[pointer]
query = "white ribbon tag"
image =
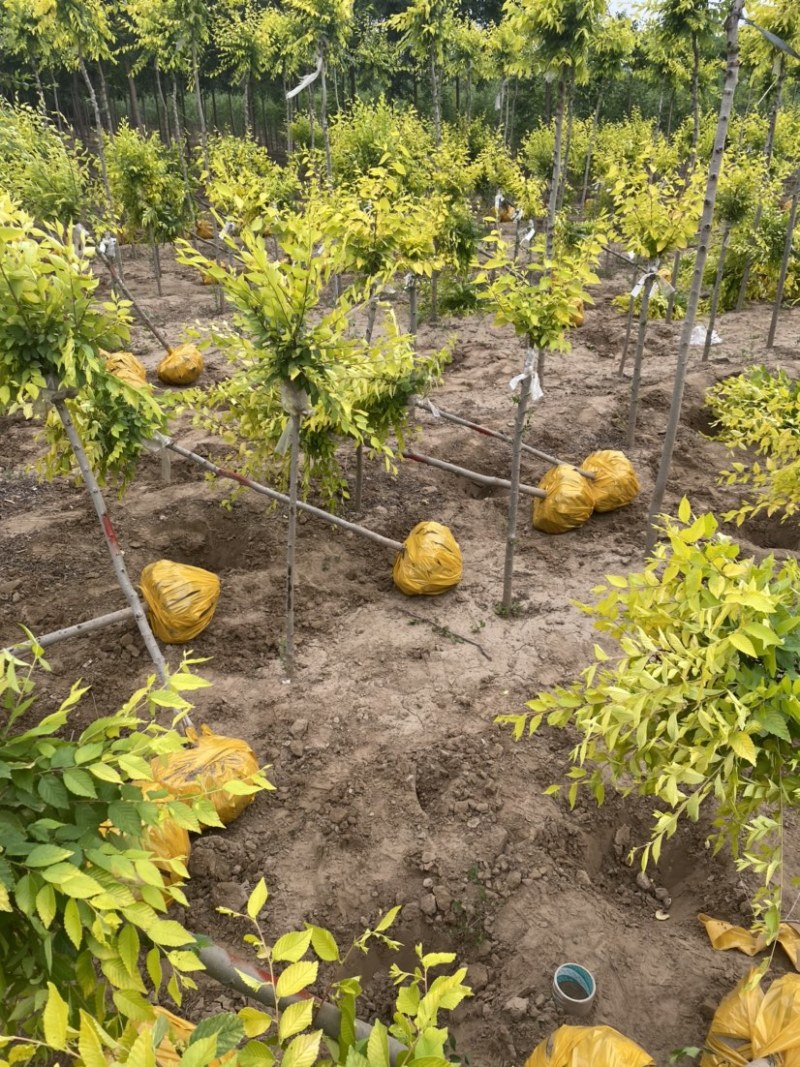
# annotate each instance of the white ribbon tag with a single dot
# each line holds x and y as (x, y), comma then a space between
(498, 200)
(108, 247)
(535, 391)
(308, 80)
(229, 229)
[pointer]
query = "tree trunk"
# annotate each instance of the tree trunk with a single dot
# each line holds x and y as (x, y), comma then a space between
(548, 102)
(101, 152)
(703, 239)
(117, 559)
(39, 88)
(180, 140)
(458, 94)
(673, 281)
(289, 144)
(590, 150)
(231, 119)
(291, 535)
(562, 185)
(57, 105)
(246, 104)
(513, 497)
(219, 299)
(712, 312)
(669, 113)
(412, 306)
(323, 116)
(437, 103)
(787, 252)
(637, 361)
(768, 146)
(353, 88)
(136, 117)
(106, 108)
(695, 100)
(513, 114)
(556, 177)
(336, 90)
(628, 327)
(79, 117)
(162, 110)
(156, 263)
(214, 109)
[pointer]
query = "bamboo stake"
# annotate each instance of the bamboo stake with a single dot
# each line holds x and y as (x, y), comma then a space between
(448, 416)
(139, 311)
(117, 560)
(280, 498)
(473, 476)
(78, 630)
(704, 236)
(787, 252)
(516, 459)
(637, 363)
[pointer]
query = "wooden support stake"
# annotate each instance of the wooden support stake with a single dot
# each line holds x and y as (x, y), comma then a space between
(281, 498)
(78, 630)
(139, 311)
(473, 476)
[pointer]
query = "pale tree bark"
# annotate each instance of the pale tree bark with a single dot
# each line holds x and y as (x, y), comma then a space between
(555, 181)
(437, 102)
(787, 253)
(513, 498)
(703, 241)
(712, 312)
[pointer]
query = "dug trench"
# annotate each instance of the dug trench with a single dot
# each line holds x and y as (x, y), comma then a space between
(394, 784)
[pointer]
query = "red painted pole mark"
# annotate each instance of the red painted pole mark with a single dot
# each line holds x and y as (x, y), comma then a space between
(108, 529)
(240, 478)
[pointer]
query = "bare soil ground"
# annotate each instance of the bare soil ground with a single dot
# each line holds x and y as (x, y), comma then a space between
(394, 785)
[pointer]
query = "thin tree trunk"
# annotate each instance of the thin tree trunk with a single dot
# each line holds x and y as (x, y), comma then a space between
(291, 537)
(101, 152)
(201, 115)
(180, 140)
(162, 110)
(353, 87)
(156, 262)
(57, 104)
(562, 186)
(248, 129)
(230, 113)
(590, 151)
(326, 138)
(637, 361)
(134, 98)
(628, 327)
(712, 312)
(359, 478)
(77, 107)
(669, 113)
(556, 177)
(703, 240)
(695, 100)
(289, 145)
(437, 103)
(513, 115)
(457, 82)
(311, 120)
(469, 91)
(336, 91)
(39, 88)
(412, 306)
(768, 147)
(787, 252)
(104, 99)
(673, 281)
(435, 296)
(214, 109)
(117, 559)
(513, 496)
(548, 102)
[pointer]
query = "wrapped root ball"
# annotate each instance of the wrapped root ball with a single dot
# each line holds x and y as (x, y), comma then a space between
(180, 599)
(181, 366)
(615, 483)
(600, 1046)
(126, 367)
(205, 766)
(204, 229)
(167, 840)
(576, 318)
(173, 1044)
(429, 562)
(569, 501)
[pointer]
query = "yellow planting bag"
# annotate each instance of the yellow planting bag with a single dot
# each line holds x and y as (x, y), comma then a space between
(615, 483)
(169, 1052)
(724, 935)
(180, 599)
(168, 840)
(181, 366)
(205, 766)
(569, 500)
(750, 1024)
(126, 367)
(429, 563)
(578, 1046)
(204, 229)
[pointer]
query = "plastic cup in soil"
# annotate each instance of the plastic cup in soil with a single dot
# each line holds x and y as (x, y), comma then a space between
(574, 989)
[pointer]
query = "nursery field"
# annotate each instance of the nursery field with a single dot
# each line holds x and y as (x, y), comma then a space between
(394, 783)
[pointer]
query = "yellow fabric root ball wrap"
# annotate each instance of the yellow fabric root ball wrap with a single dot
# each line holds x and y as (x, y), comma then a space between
(429, 562)
(750, 1024)
(126, 367)
(615, 483)
(181, 366)
(167, 840)
(181, 600)
(205, 766)
(600, 1046)
(569, 501)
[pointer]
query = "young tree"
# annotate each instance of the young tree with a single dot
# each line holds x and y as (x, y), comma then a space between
(424, 25)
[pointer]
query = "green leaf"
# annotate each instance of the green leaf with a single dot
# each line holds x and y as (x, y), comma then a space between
(47, 855)
(742, 745)
(55, 1019)
(258, 898)
(303, 1050)
(294, 1018)
(684, 510)
(227, 1028)
(378, 1045)
(292, 946)
(296, 978)
(324, 944)
(46, 904)
(386, 920)
(128, 948)
(742, 642)
(79, 783)
(133, 1005)
(89, 1044)
(200, 1053)
(169, 933)
(256, 1054)
(255, 1022)
(72, 923)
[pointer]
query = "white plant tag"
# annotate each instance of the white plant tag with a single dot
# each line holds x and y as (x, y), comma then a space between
(698, 336)
(308, 80)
